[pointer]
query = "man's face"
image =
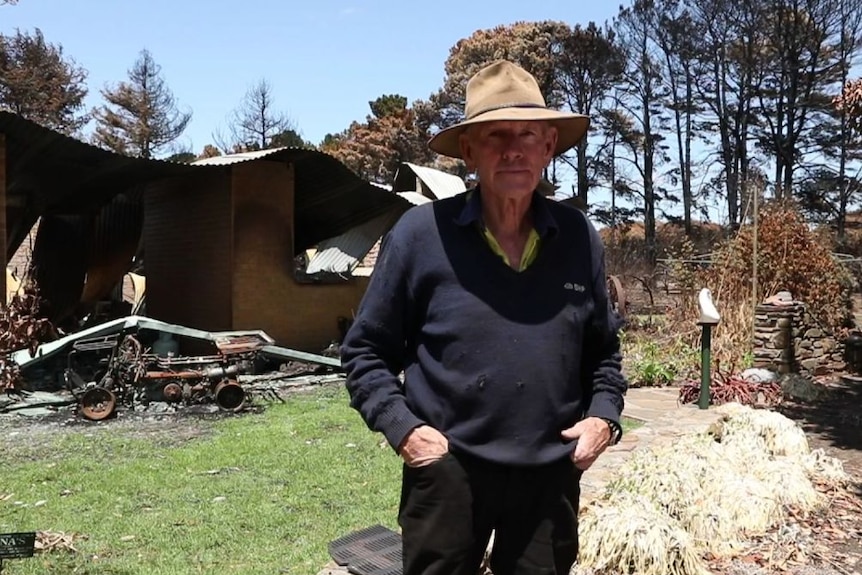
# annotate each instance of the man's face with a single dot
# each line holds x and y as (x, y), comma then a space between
(509, 156)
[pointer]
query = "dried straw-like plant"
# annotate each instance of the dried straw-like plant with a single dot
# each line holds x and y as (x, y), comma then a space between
(632, 535)
(704, 495)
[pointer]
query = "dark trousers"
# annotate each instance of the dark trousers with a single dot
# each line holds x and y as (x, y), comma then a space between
(449, 508)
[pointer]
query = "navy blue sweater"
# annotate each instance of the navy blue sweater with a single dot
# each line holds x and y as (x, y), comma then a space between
(499, 361)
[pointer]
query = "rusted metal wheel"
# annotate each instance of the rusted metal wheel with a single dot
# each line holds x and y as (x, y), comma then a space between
(172, 392)
(98, 403)
(617, 294)
(229, 395)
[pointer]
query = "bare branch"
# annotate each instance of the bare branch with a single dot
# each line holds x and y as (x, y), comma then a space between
(256, 121)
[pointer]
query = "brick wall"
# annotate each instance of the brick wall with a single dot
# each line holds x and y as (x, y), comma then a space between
(20, 260)
(265, 294)
(18, 264)
(187, 253)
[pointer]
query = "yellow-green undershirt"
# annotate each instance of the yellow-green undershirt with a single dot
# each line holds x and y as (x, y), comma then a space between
(531, 248)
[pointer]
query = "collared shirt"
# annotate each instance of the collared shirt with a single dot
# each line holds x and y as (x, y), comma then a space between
(544, 226)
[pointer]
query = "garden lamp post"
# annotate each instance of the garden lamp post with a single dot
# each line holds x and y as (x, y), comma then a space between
(709, 318)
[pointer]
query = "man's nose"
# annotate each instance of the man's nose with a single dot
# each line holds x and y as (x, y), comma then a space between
(513, 147)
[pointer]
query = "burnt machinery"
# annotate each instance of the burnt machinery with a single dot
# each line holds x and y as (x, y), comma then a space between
(120, 369)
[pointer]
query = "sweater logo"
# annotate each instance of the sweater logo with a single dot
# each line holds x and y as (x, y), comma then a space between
(574, 287)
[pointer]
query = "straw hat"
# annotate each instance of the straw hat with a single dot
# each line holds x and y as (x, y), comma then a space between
(505, 91)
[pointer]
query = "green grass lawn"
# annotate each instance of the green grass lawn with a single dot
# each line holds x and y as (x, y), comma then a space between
(262, 494)
(258, 493)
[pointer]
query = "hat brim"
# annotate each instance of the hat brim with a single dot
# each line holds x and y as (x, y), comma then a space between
(570, 128)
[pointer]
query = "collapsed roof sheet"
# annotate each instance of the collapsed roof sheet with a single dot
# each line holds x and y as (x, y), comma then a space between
(439, 184)
(342, 253)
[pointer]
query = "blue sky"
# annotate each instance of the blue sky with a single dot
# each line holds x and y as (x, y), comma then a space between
(324, 59)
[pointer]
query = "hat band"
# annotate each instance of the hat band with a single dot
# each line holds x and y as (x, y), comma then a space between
(502, 106)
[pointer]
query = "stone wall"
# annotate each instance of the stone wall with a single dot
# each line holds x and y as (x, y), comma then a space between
(787, 339)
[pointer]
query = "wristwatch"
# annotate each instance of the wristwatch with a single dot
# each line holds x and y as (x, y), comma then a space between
(616, 430)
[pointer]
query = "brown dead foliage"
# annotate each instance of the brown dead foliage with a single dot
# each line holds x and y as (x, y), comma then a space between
(790, 256)
(21, 327)
(626, 250)
(849, 101)
(826, 538)
(48, 541)
(727, 388)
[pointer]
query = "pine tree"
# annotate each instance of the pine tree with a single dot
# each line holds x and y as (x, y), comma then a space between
(40, 84)
(140, 116)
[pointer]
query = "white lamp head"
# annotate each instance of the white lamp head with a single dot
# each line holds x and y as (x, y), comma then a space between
(708, 313)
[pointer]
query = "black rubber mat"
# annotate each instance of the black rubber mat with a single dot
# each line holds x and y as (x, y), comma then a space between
(383, 565)
(374, 550)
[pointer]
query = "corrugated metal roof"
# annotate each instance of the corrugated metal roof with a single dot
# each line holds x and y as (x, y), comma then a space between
(415, 198)
(439, 184)
(61, 258)
(343, 253)
(329, 199)
(366, 264)
(116, 237)
(236, 158)
(79, 258)
(48, 173)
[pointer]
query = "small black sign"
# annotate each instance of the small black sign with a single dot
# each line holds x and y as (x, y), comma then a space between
(17, 545)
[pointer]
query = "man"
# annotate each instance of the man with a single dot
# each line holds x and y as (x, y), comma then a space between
(494, 305)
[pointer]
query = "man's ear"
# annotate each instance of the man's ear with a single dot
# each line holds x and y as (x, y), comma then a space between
(466, 151)
(552, 137)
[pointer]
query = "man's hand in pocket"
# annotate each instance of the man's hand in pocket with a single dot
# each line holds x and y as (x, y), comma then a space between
(423, 446)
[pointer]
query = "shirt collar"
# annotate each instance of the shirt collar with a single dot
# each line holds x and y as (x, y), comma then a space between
(543, 220)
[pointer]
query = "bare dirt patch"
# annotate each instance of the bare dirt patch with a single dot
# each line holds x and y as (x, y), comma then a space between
(831, 416)
(24, 437)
